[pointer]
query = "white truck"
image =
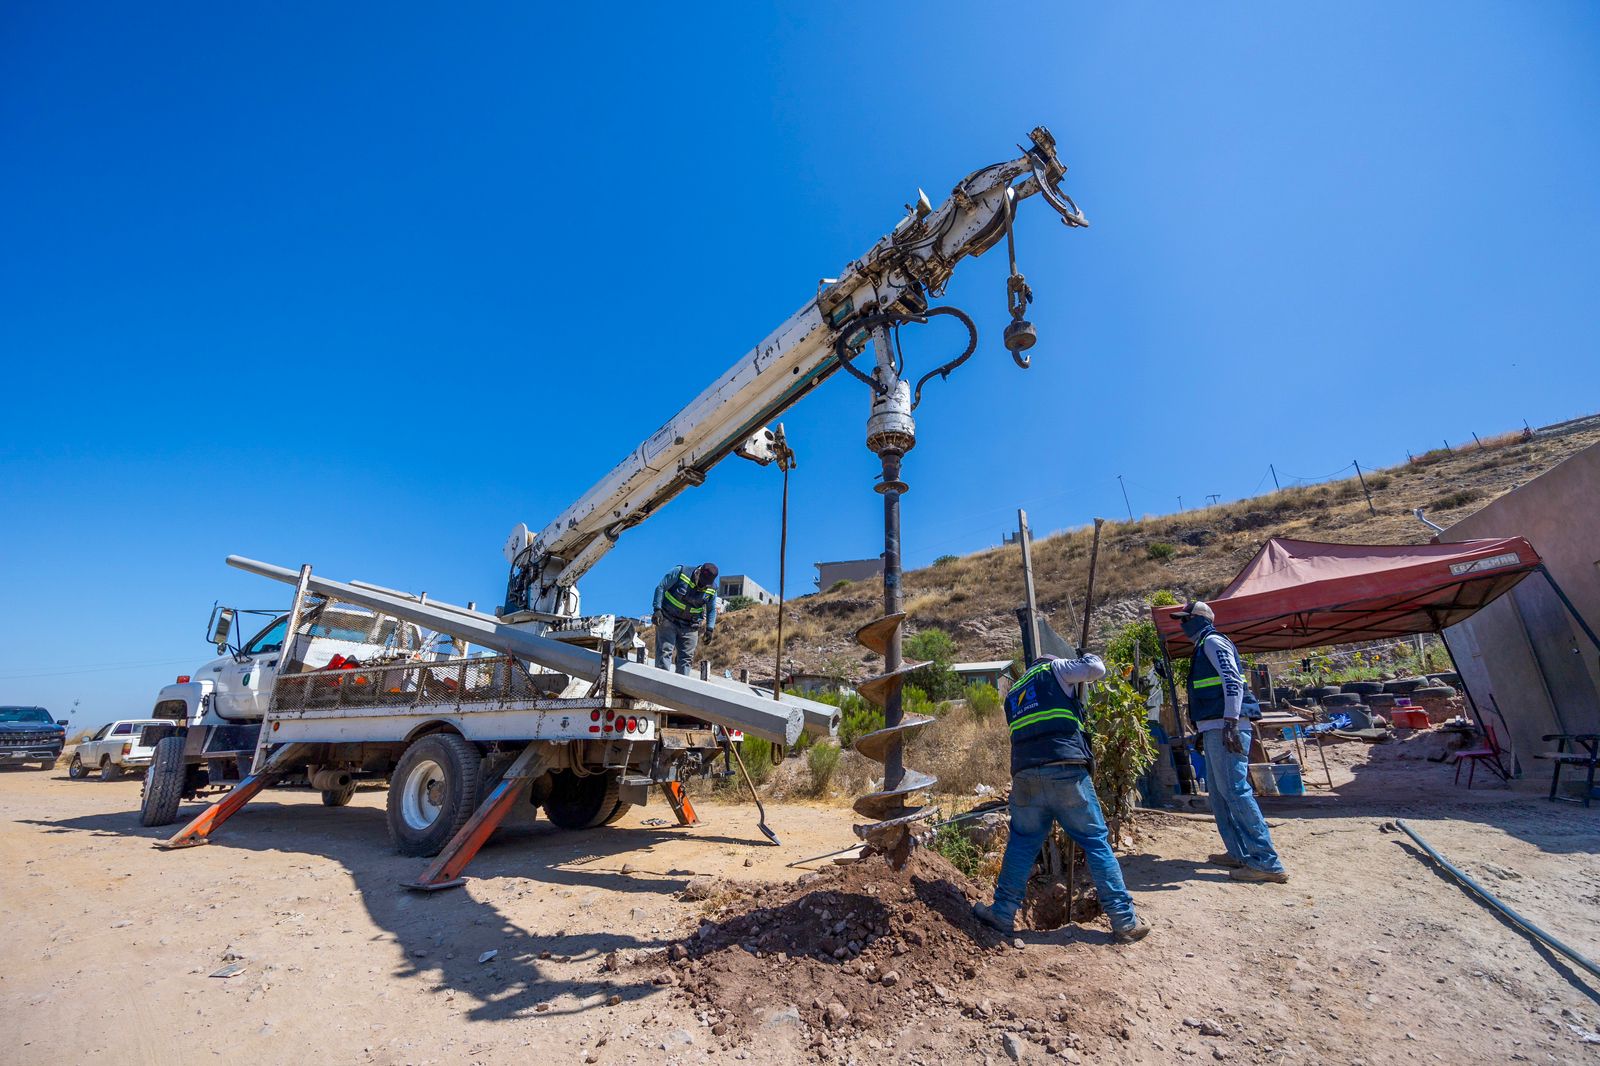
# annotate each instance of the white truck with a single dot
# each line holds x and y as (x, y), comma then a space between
(114, 749)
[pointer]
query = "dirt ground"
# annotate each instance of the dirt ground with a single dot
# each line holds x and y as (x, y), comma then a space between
(1368, 955)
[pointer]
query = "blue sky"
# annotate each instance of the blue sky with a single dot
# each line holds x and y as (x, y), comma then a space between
(364, 285)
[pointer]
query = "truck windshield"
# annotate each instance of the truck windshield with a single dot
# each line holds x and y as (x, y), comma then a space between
(25, 714)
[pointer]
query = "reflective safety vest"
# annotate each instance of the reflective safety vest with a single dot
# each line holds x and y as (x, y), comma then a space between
(1046, 721)
(685, 602)
(1206, 698)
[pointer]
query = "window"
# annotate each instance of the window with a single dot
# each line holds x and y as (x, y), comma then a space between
(24, 714)
(122, 729)
(269, 639)
(103, 731)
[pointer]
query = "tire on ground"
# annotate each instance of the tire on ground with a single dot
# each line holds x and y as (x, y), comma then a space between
(338, 797)
(1323, 691)
(75, 769)
(163, 783)
(1362, 688)
(432, 793)
(1403, 686)
(1381, 701)
(109, 771)
(1449, 677)
(1341, 699)
(582, 802)
(1433, 692)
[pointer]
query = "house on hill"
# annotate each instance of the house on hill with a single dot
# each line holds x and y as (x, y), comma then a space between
(830, 574)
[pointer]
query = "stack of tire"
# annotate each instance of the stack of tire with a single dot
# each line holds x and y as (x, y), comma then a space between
(1436, 686)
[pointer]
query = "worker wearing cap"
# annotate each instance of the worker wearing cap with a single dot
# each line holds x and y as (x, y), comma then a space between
(685, 600)
(1221, 708)
(1051, 764)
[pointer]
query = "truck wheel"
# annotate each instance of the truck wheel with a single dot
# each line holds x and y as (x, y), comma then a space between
(432, 793)
(47, 764)
(338, 797)
(163, 783)
(109, 771)
(75, 769)
(617, 812)
(582, 802)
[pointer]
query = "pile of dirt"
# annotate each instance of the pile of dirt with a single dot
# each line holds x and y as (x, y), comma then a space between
(855, 948)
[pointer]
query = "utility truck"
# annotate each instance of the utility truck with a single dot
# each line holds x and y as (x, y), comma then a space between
(561, 714)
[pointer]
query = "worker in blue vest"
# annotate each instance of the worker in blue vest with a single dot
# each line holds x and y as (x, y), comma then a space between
(1051, 765)
(685, 600)
(1221, 709)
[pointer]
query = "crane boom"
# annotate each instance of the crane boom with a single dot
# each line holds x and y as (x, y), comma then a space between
(898, 275)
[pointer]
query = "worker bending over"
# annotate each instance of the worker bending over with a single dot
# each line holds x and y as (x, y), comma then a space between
(685, 600)
(1221, 708)
(1051, 763)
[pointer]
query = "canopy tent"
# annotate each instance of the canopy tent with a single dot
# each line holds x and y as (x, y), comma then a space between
(1303, 594)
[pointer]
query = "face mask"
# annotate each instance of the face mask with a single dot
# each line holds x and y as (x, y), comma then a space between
(1193, 625)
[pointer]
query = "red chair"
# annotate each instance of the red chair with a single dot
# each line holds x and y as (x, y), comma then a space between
(1487, 752)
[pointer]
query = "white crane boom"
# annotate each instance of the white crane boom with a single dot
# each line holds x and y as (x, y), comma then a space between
(896, 276)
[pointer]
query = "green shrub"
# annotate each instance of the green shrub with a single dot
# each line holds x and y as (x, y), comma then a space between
(736, 603)
(1164, 598)
(983, 699)
(757, 755)
(1160, 550)
(1123, 748)
(938, 649)
(1379, 482)
(822, 760)
(958, 848)
(945, 559)
(842, 583)
(1455, 499)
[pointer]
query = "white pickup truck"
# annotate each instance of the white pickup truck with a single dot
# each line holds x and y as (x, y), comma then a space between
(115, 748)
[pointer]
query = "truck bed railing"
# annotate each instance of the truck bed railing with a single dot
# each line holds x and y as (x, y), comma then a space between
(440, 684)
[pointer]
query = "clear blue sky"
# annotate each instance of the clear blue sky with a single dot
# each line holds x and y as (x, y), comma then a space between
(364, 285)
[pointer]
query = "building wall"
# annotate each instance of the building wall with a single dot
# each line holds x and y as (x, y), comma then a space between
(847, 570)
(743, 585)
(1524, 653)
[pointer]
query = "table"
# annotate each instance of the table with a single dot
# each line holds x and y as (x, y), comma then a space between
(1565, 756)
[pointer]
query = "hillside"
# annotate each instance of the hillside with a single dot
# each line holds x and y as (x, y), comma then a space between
(1193, 553)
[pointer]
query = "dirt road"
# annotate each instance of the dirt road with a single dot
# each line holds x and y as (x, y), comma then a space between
(1368, 955)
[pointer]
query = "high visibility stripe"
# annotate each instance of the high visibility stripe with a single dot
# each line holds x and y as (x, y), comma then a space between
(680, 605)
(1040, 716)
(1029, 676)
(1207, 683)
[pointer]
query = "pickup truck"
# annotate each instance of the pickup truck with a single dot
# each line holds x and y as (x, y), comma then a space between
(117, 747)
(28, 734)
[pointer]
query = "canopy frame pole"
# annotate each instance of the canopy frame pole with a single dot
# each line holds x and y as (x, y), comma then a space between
(1572, 610)
(1184, 767)
(1472, 704)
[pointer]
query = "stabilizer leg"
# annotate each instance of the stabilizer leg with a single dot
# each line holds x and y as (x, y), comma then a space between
(445, 870)
(207, 821)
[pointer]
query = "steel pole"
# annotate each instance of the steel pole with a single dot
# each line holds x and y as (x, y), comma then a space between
(893, 603)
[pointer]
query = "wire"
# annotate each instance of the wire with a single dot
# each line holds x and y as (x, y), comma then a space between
(1323, 477)
(96, 669)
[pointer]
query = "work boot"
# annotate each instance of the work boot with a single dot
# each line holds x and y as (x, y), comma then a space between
(1128, 934)
(1222, 858)
(985, 914)
(1250, 873)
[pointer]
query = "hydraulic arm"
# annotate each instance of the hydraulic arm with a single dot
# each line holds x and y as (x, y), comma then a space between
(890, 285)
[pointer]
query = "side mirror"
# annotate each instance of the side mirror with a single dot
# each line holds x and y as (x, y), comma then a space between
(61, 721)
(223, 627)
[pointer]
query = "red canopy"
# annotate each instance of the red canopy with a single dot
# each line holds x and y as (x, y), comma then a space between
(1302, 594)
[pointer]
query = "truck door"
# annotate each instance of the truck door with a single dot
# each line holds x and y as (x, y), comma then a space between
(244, 683)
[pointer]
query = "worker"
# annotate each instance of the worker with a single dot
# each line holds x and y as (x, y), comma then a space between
(1051, 782)
(685, 600)
(1221, 709)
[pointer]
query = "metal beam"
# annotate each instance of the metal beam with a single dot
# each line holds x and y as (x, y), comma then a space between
(748, 709)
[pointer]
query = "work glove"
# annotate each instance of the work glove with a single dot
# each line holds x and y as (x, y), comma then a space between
(711, 634)
(1231, 741)
(657, 620)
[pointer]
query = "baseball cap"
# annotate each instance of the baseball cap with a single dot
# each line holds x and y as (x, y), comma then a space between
(1196, 609)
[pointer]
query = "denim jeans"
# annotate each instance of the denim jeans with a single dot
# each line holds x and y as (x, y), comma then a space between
(1233, 803)
(1063, 794)
(675, 645)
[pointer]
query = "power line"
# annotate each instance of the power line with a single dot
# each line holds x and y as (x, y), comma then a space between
(97, 669)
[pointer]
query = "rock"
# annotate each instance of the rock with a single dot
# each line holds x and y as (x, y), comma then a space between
(1210, 1028)
(613, 999)
(613, 963)
(1219, 1053)
(836, 1014)
(1013, 1046)
(676, 1039)
(699, 888)
(749, 861)
(677, 953)
(591, 1055)
(776, 1017)
(890, 979)
(487, 955)
(629, 868)
(121, 925)
(720, 1029)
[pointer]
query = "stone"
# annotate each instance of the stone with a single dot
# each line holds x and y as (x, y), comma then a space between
(777, 1017)
(613, 999)
(890, 979)
(676, 1039)
(836, 1014)
(700, 888)
(1013, 1046)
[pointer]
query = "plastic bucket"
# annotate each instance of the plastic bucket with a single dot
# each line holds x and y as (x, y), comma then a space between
(1288, 779)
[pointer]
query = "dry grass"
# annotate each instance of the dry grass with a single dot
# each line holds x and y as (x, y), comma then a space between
(972, 597)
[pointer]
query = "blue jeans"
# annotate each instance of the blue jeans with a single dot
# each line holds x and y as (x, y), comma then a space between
(1233, 803)
(675, 645)
(1062, 794)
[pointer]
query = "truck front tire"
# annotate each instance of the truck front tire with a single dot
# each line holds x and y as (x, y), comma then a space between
(163, 783)
(432, 793)
(75, 769)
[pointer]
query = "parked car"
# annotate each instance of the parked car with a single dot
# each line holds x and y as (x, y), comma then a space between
(27, 734)
(116, 748)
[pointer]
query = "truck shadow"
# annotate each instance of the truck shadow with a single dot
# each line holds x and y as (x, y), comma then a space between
(441, 936)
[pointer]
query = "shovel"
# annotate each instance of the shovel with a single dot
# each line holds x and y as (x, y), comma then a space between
(761, 812)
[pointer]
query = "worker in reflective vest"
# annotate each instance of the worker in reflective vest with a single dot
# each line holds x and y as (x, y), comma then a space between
(1051, 782)
(1222, 708)
(685, 600)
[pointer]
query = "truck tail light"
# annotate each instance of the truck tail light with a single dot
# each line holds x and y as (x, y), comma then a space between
(183, 679)
(125, 749)
(633, 725)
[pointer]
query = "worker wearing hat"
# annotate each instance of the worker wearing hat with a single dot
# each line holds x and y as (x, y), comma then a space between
(685, 600)
(1221, 708)
(1051, 781)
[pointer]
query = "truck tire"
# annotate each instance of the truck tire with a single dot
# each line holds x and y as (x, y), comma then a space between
(617, 812)
(338, 797)
(582, 802)
(163, 783)
(75, 769)
(109, 771)
(1362, 688)
(432, 793)
(1433, 692)
(1341, 699)
(1403, 686)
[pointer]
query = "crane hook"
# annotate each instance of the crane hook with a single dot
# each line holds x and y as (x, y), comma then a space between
(1020, 334)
